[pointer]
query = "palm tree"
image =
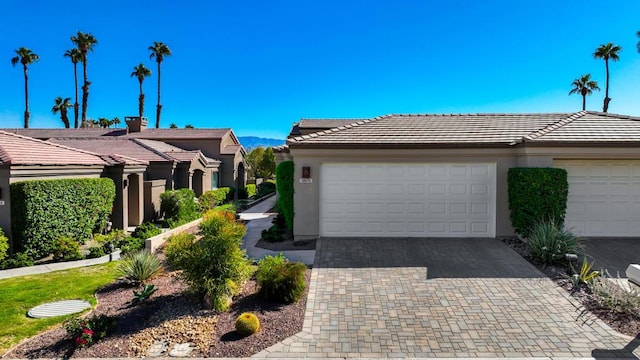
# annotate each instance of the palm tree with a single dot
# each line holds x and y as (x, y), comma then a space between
(75, 56)
(60, 106)
(115, 121)
(85, 43)
(638, 44)
(104, 122)
(158, 51)
(141, 72)
(25, 57)
(606, 52)
(584, 86)
(173, 126)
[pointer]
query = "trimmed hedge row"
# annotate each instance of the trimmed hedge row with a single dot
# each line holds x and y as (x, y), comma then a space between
(44, 210)
(536, 194)
(213, 198)
(284, 186)
(178, 207)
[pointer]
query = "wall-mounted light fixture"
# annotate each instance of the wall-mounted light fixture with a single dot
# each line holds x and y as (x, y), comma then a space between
(306, 172)
(125, 183)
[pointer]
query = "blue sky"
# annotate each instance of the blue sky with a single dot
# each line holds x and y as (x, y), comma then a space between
(258, 66)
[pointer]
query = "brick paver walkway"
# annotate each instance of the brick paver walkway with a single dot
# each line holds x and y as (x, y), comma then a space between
(372, 298)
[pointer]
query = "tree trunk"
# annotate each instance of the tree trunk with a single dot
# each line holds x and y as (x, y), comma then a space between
(64, 118)
(26, 97)
(584, 102)
(158, 107)
(85, 90)
(605, 106)
(75, 106)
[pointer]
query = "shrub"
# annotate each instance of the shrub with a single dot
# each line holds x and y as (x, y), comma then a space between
(272, 234)
(4, 245)
(177, 247)
(120, 240)
(144, 294)
(548, 242)
(178, 207)
(609, 295)
(145, 231)
(87, 331)
(536, 194)
(65, 249)
(216, 265)
(284, 184)
(266, 188)
(139, 266)
(213, 198)
(17, 260)
(280, 280)
(247, 324)
(251, 190)
(96, 252)
(44, 210)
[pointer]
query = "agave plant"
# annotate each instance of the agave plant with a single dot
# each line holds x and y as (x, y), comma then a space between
(140, 266)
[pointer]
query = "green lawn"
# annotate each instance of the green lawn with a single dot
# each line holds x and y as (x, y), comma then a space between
(18, 295)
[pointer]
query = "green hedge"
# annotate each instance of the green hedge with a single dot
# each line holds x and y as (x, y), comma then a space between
(251, 190)
(536, 194)
(213, 198)
(44, 210)
(265, 188)
(178, 207)
(284, 185)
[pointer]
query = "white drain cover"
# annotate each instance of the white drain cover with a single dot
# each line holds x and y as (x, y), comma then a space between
(58, 308)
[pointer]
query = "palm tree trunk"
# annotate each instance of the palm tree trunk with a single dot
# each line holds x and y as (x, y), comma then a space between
(75, 106)
(159, 106)
(605, 106)
(64, 118)
(26, 97)
(584, 102)
(141, 102)
(85, 90)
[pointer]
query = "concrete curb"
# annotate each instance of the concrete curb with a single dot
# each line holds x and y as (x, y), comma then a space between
(41, 269)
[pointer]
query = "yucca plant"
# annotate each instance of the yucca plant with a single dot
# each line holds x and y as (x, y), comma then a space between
(586, 275)
(549, 242)
(139, 266)
(145, 293)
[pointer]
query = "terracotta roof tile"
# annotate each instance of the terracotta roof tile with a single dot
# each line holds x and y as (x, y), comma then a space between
(594, 127)
(21, 150)
(160, 134)
(109, 145)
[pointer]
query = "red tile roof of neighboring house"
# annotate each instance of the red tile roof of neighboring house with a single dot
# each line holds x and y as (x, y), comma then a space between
(160, 134)
(109, 146)
(21, 150)
(67, 133)
(467, 129)
(175, 152)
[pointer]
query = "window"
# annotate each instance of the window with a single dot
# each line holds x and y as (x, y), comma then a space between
(214, 180)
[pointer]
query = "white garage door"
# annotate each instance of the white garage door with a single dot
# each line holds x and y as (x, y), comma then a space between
(407, 200)
(604, 197)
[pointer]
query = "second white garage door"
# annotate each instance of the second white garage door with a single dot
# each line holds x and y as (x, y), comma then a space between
(604, 197)
(407, 200)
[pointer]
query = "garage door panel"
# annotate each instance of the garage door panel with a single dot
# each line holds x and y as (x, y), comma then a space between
(415, 200)
(604, 197)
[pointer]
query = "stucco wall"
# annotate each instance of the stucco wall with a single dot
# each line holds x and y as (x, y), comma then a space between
(306, 196)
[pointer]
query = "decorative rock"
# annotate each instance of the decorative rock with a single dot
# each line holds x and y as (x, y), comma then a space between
(157, 349)
(181, 350)
(633, 273)
(58, 308)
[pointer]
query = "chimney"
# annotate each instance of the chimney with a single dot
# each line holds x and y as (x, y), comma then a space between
(135, 123)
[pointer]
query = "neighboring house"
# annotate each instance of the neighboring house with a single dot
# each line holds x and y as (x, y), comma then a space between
(216, 144)
(446, 175)
(23, 158)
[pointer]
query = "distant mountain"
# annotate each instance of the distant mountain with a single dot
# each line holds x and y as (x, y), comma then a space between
(250, 142)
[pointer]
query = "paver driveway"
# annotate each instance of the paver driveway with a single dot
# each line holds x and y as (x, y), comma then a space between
(373, 298)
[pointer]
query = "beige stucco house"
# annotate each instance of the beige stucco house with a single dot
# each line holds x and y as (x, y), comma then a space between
(446, 175)
(23, 158)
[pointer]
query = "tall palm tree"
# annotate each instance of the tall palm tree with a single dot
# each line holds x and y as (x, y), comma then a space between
(584, 86)
(61, 106)
(25, 57)
(85, 43)
(158, 51)
(75, 56)
(140, 71)
(638, 44)
(606, 52)
(115, 121)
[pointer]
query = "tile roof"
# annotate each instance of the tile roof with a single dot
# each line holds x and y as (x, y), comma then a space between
(21, 150)
(468, 129)
(160, 134)
(434, 129)
(592, 127)
(326, 123)
(109, 145)
(68, 133)
(231, 149)
(175, 152)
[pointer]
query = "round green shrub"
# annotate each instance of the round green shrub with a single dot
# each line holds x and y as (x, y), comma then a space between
(280, 280)
(4, 245)
(66, 249)
(247, 324)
